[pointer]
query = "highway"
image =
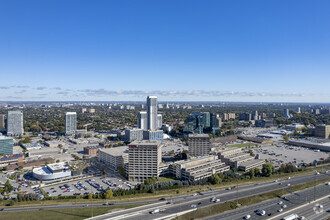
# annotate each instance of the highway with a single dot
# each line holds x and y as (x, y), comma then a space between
(293, 201)
(183, 203)
(186, 203)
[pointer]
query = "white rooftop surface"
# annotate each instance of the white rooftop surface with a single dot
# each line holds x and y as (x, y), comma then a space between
(58, 166)
(115, 151)
(4, 137)
(326, 144)
(71, 113)
(42, 171)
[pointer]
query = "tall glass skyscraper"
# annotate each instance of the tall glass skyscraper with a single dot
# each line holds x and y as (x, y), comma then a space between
(152, 112)
(15, 123)
(70, 123)
(142, 120)
(6, 145)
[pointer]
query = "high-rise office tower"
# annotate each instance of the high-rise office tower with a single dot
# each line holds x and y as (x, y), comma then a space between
(255, 115)
(152, 112)
(199, 144)
(15, 123)
(143, 120)
(298, 110)
(159, 121)
(144, 159)
(207, 119)
(70, 123)
(6, 145)
(286, 113)
(2, 121)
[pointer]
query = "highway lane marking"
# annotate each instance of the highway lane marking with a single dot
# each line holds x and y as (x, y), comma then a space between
(125, 210)
(287, 212)
(306, 213)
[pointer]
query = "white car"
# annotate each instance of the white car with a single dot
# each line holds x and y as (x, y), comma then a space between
(328, 183)
(247, 216)
(280, 203)
(289, 178)
(280, 210)
(284, 206)
(288, 184)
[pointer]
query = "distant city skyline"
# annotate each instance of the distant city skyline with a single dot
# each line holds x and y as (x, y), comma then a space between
(248, 51)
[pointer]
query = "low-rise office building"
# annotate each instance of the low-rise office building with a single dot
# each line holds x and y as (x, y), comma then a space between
(114, 157)
(54, 143)
(240, 160)
(153, 135)
(133, 135)
(52, 171)
(198, 168)
(11, 159)
(91, 150)
(322, 131)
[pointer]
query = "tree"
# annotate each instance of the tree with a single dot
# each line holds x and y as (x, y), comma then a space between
(252, 173)
(257, 172)
(286, 138)
(215, 179)
(108, 194)
(8, 187)
(267, 169)
(150, 181)
(90, 196)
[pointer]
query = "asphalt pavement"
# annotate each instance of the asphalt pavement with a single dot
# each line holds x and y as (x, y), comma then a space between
(188, 202)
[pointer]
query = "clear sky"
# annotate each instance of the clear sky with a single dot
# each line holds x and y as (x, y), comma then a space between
(184, 50)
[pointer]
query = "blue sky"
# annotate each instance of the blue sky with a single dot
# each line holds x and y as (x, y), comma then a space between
(184, 50)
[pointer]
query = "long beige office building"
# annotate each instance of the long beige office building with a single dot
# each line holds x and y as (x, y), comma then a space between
(144, 158)
(236, 158)
(198, 168)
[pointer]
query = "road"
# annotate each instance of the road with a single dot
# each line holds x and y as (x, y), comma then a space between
(189, 202)
(303, 199)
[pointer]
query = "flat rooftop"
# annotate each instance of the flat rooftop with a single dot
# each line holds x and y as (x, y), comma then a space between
(58, 166)
(145, 142)
(195, 159)
(199, 135)
(251, 162)
(4, 138)
(115, 151)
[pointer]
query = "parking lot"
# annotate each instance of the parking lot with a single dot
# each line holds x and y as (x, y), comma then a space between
(86, 186)
(19, 185)
(282, 153)
(175, 146)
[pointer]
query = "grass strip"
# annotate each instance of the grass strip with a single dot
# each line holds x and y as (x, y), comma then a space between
(55, 214)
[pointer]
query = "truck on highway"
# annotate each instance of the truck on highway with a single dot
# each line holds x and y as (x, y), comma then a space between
(290, 217)
(154, 211)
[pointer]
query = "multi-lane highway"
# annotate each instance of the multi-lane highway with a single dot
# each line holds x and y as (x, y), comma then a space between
(301, 203)
(186, 203)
